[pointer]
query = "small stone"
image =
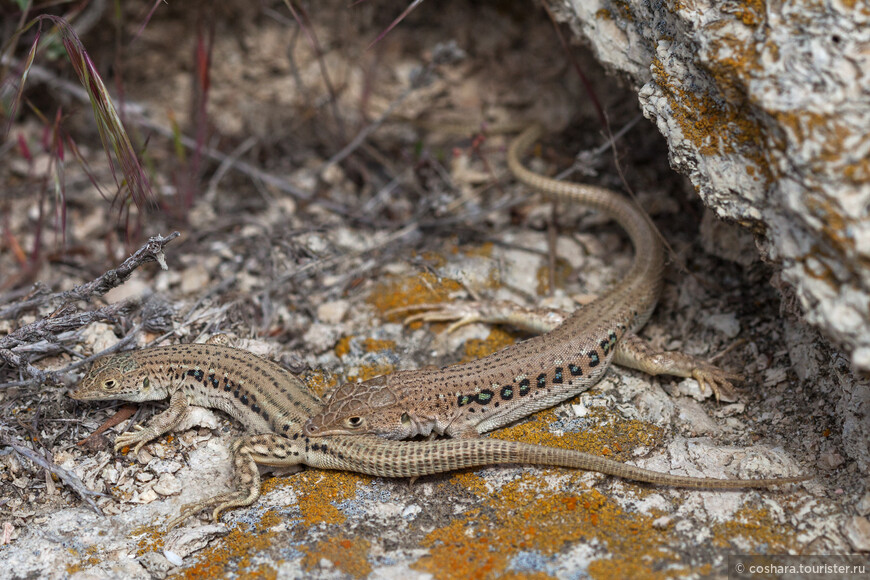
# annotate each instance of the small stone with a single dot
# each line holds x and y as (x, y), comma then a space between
(158, 566)
(857, 531)
(162, 466)
(731, 410)
(198, 417)
(726, 323)
(194, 279)
(320, 337)
(694, 420)
(863, 506)
(410, 512)
(173, 558)
(144, 476)
(662, 522)
(146, 496)
(144, 457)
(332, 312)
(830, 461)
(168, 484)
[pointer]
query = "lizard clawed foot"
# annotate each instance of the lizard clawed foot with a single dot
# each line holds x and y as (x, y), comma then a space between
(137, 439)
(222, 502)
(461, 313)
(718, 380)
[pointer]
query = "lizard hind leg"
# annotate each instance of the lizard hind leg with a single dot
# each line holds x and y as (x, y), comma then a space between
(634, 352)
(267, 449)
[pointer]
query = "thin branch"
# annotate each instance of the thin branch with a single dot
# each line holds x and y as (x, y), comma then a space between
(69, 478)
(152, 251)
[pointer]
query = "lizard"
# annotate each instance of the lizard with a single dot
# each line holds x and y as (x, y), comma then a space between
(273, 404)
(465, 400)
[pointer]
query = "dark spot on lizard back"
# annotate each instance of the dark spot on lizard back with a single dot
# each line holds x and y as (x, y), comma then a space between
(485, 396)
(524, 387)
(594, 359)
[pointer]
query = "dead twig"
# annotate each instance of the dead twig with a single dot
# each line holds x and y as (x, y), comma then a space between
(70, 479)
(152, 251)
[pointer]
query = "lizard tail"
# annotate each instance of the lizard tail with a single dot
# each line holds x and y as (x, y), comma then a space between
(376, 456)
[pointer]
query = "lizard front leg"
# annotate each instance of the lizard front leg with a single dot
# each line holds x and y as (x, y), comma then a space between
(160, 424)
(248, 451)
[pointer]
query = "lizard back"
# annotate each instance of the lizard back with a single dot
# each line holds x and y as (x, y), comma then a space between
(481, 395)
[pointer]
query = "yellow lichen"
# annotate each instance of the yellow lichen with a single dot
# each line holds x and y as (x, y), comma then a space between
(518, 518)
(498, 339)
(561, 276)
(758, 527)
(612, 437)
(233, 553)
(350, 555)
(318, 491)
(319, 381)
(369, 344)
(402, 292)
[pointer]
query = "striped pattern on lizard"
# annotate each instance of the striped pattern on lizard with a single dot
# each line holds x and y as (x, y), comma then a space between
(273, 404)
(468, 399)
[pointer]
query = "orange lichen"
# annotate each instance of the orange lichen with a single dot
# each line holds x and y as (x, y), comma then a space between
(498, 339)
(343, 348)
(612, 437)
(714, 126)
(750, 12)
(561, 276)
(319, 381)
(151, 539)
(348, 555)
(370, 371)
(318, 491)
(517, 518)
(235, 551)
(757, 526)
(403, 292)
(483, 250)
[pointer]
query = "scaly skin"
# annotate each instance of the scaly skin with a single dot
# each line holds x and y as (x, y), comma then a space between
(468, 399)
(273, 404)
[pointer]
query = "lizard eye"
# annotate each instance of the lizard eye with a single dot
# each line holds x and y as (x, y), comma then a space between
(110, 384)
(354, 422)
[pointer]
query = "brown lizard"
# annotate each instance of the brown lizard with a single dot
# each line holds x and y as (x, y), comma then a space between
(468, 399)
(273, 404)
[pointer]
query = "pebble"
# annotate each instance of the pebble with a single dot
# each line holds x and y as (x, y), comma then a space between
(168, 484)
(857, 531)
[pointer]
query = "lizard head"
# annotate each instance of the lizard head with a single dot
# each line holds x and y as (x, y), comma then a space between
(356, 408)
(116, 376)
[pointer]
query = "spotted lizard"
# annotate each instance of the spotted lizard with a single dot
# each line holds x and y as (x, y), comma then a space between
(468, 399)
(273, 404)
